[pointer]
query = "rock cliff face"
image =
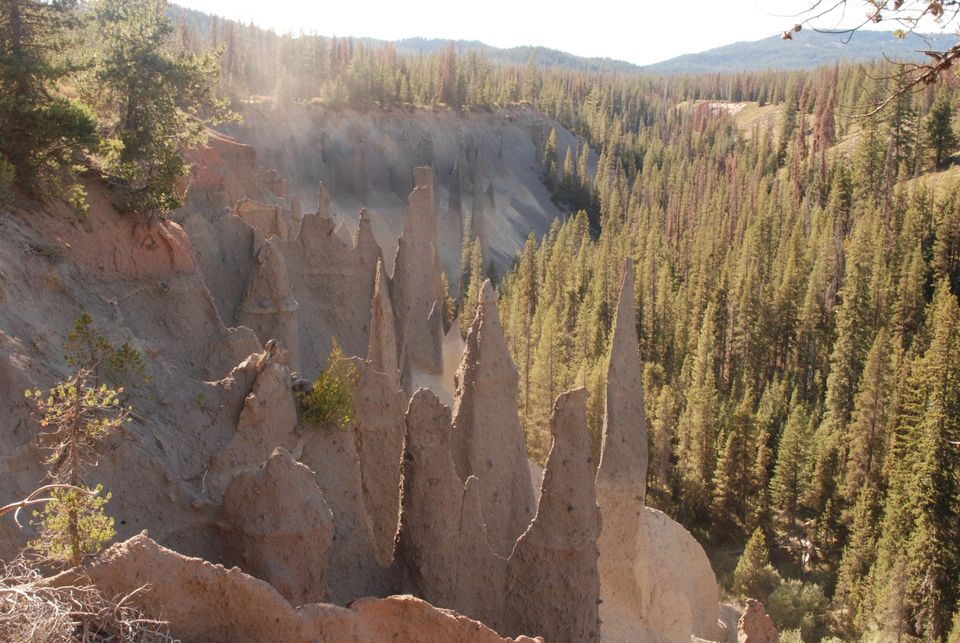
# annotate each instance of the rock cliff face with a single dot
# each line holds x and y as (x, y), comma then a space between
(755, 625)
(417, 290)
(280, 527)
(473, 155)
(409, 497)
(488, 441)
(382, 346)
(268, 307)
(550, 583)
(559, 551)
(621, 476)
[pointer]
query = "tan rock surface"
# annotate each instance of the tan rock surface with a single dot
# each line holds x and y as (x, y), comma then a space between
(280, 527)
(416, 278)
(379, 429)
(269, 307)
(206, 603)
(621, 476)
(427, 540)
(488, 441)
(553, 585)
(382, 346)
(678, 593)
(755, 625)
(265, 217)
(267, 421)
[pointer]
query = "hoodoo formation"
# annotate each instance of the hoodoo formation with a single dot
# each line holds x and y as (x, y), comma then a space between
(331, 339)
(411, 498)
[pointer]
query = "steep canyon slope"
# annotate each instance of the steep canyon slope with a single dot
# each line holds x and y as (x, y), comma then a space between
(412, 498)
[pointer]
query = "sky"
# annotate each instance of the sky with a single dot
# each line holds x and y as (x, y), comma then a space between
(638, 31)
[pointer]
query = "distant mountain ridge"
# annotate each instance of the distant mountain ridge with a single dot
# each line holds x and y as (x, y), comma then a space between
(544, 56)
(808, 49)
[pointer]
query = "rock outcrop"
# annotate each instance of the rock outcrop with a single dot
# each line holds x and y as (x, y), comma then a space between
(621, 476)
(206, 603)
(417, 290)
(265, 217)
(656, 581)
(382, 347)
(755, 625)
(488, 441)
(267, 420)
(280, 527)
(269, 307)
(677, 589)
(550, 583)
(623, 460)
(334, 283)
(554, 585)
(427, 540)
(379, 429)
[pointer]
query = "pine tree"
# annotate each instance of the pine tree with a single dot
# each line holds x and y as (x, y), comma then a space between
(550, 160)
(940, 137)
(75, 416)
(731, 481)
(868, 425)
(934, 547)
(791, 472)
(546, 380)
(159, 101)
(858, 557)
(755, 576)
(41, 131)
(955, 630)
(700, 420)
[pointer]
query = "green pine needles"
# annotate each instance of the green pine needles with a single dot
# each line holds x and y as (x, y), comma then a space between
(329, 402)
(74, 416)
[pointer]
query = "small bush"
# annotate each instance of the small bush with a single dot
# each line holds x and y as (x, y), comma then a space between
(791, 636)
(797, 605)
(329, 402)
(72, 525)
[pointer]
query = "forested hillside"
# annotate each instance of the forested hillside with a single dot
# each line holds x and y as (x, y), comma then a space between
(799, 328)
(797, 285)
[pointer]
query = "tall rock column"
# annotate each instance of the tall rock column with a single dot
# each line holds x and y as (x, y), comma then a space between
(623, 459)
(553, 587)
(268, 306)
(382, 347)
(488, 441)
(417, 289)
(427, 550)
(621, 477)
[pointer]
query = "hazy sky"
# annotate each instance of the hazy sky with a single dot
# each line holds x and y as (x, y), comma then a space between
(638, 31)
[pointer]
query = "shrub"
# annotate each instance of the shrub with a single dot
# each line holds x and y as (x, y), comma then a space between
(797, 605)
(329, 401)
(87, 348)
(72, 525)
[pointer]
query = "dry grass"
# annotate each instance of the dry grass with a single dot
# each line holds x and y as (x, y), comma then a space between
(32, 610)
